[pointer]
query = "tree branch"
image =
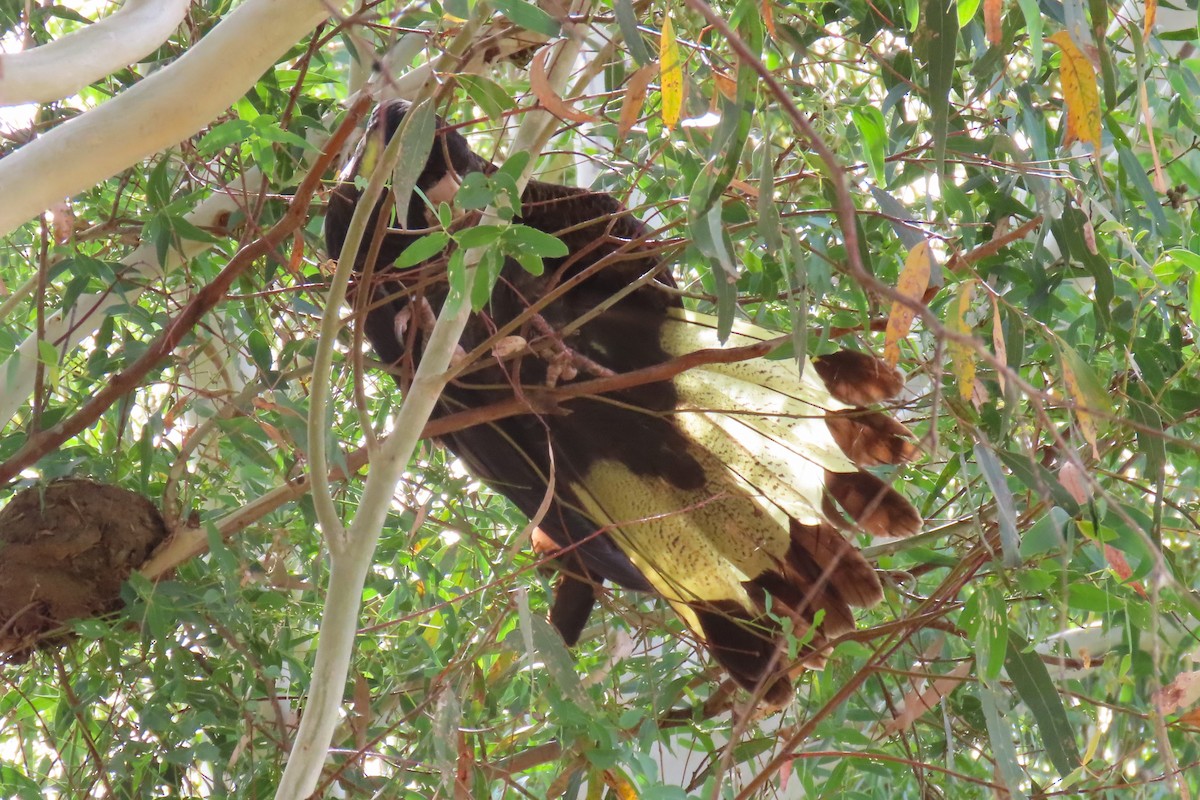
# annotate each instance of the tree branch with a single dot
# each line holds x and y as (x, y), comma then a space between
(64, 66)
(96, 145)
(350, 563)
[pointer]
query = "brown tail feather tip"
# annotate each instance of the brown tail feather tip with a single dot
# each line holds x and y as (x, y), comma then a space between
(876, 507)
(747, 649)
(825, 554)
(871, 438)
(822, 573)
(858, 379)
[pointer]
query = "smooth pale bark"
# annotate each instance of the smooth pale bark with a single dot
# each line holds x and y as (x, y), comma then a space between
(64, 66)
(351, 558)
(165, 108)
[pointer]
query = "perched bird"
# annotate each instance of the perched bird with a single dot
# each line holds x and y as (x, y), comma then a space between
(723, 489)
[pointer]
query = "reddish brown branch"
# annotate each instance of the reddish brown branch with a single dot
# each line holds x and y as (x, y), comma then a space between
(960, 260)
(189, 542)
(547, 400)
(205, 300)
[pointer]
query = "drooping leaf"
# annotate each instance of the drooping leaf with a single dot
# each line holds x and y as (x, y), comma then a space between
(528, 16)
(1032, 681)
(1085, 393)
(487, 94)
(1000, 736)
(993, 22)
(914, 278)
(1148, 22)
(628, 22)
(1081, 93)
(962, 355)
(670, 75)
(539, 82)
(870, 124)
(1010, 539)
(416, 140)
(937, 44)
(635, 97)
(999, 346)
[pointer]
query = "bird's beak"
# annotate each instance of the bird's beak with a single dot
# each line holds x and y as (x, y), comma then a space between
(444, 190)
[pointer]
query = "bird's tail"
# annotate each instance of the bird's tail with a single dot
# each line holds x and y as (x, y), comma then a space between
(757, 547)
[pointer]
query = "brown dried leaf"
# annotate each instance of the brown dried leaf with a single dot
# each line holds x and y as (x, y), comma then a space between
(914, 279)
(1191, 717)
(725, 85)
(918, 701)
(539, 82)
(509, 345)
(1071, 478)
(62, 221)
(635, 97)
(769, 17)
(992, 22)
(360, 720)
(1179, 693)
(1120, 567)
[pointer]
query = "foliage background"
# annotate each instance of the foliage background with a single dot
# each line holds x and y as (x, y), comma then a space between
(1053, 383)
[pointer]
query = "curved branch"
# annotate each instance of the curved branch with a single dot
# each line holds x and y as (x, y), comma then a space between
(118, 134)
(64, 66)
(187, 543)
(350, 563)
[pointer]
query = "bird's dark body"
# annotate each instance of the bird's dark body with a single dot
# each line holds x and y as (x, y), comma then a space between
(635, 428)
(512, 455)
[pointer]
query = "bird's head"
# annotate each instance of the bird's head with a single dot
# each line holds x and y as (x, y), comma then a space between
(449, 159)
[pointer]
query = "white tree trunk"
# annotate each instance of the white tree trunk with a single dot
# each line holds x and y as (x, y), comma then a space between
(63, 67)
(351, 557)
(163, 109)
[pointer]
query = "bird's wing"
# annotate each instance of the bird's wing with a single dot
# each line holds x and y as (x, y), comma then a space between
(723, 489)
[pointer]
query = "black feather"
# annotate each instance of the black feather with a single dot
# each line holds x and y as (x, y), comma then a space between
(638, 500)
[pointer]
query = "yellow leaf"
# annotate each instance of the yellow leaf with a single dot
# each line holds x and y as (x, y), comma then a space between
(1151, 13)
(769, 17)
(992, 22)
(1084, 392)
(620, 785)
(962, 356)
(914, 279)
(998, 345)
(635, 95)
(1087, 424)
(1080, 92)
(670, 75)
